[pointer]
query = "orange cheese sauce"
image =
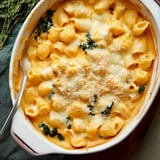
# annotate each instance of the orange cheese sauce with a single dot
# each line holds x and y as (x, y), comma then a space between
(90, 71)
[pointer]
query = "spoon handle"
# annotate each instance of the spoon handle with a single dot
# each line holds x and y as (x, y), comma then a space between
(7, 123)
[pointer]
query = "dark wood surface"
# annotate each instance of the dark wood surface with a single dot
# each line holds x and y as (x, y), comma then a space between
(125, 149)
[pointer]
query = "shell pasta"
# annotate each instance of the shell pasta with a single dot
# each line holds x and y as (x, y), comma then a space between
(90, 70)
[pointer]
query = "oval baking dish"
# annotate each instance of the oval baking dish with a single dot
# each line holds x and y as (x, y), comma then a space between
(38, 141)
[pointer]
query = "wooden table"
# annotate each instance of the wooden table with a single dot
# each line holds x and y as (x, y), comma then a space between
(125, 149)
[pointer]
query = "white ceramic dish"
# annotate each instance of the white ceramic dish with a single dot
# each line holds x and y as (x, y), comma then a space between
(22, 130)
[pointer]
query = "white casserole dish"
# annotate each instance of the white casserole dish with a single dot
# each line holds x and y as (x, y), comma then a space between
(22, 130)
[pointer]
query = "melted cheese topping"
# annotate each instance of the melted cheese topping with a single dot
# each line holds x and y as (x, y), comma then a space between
(87, 75)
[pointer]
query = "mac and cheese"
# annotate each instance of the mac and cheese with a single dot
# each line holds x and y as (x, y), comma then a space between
(89, 71)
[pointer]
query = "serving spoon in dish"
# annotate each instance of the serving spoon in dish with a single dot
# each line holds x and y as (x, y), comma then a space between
(25, 66)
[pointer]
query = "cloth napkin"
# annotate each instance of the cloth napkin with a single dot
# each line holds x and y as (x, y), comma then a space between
(9, 150)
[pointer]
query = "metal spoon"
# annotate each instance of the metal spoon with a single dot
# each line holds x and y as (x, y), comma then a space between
(25, 65)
